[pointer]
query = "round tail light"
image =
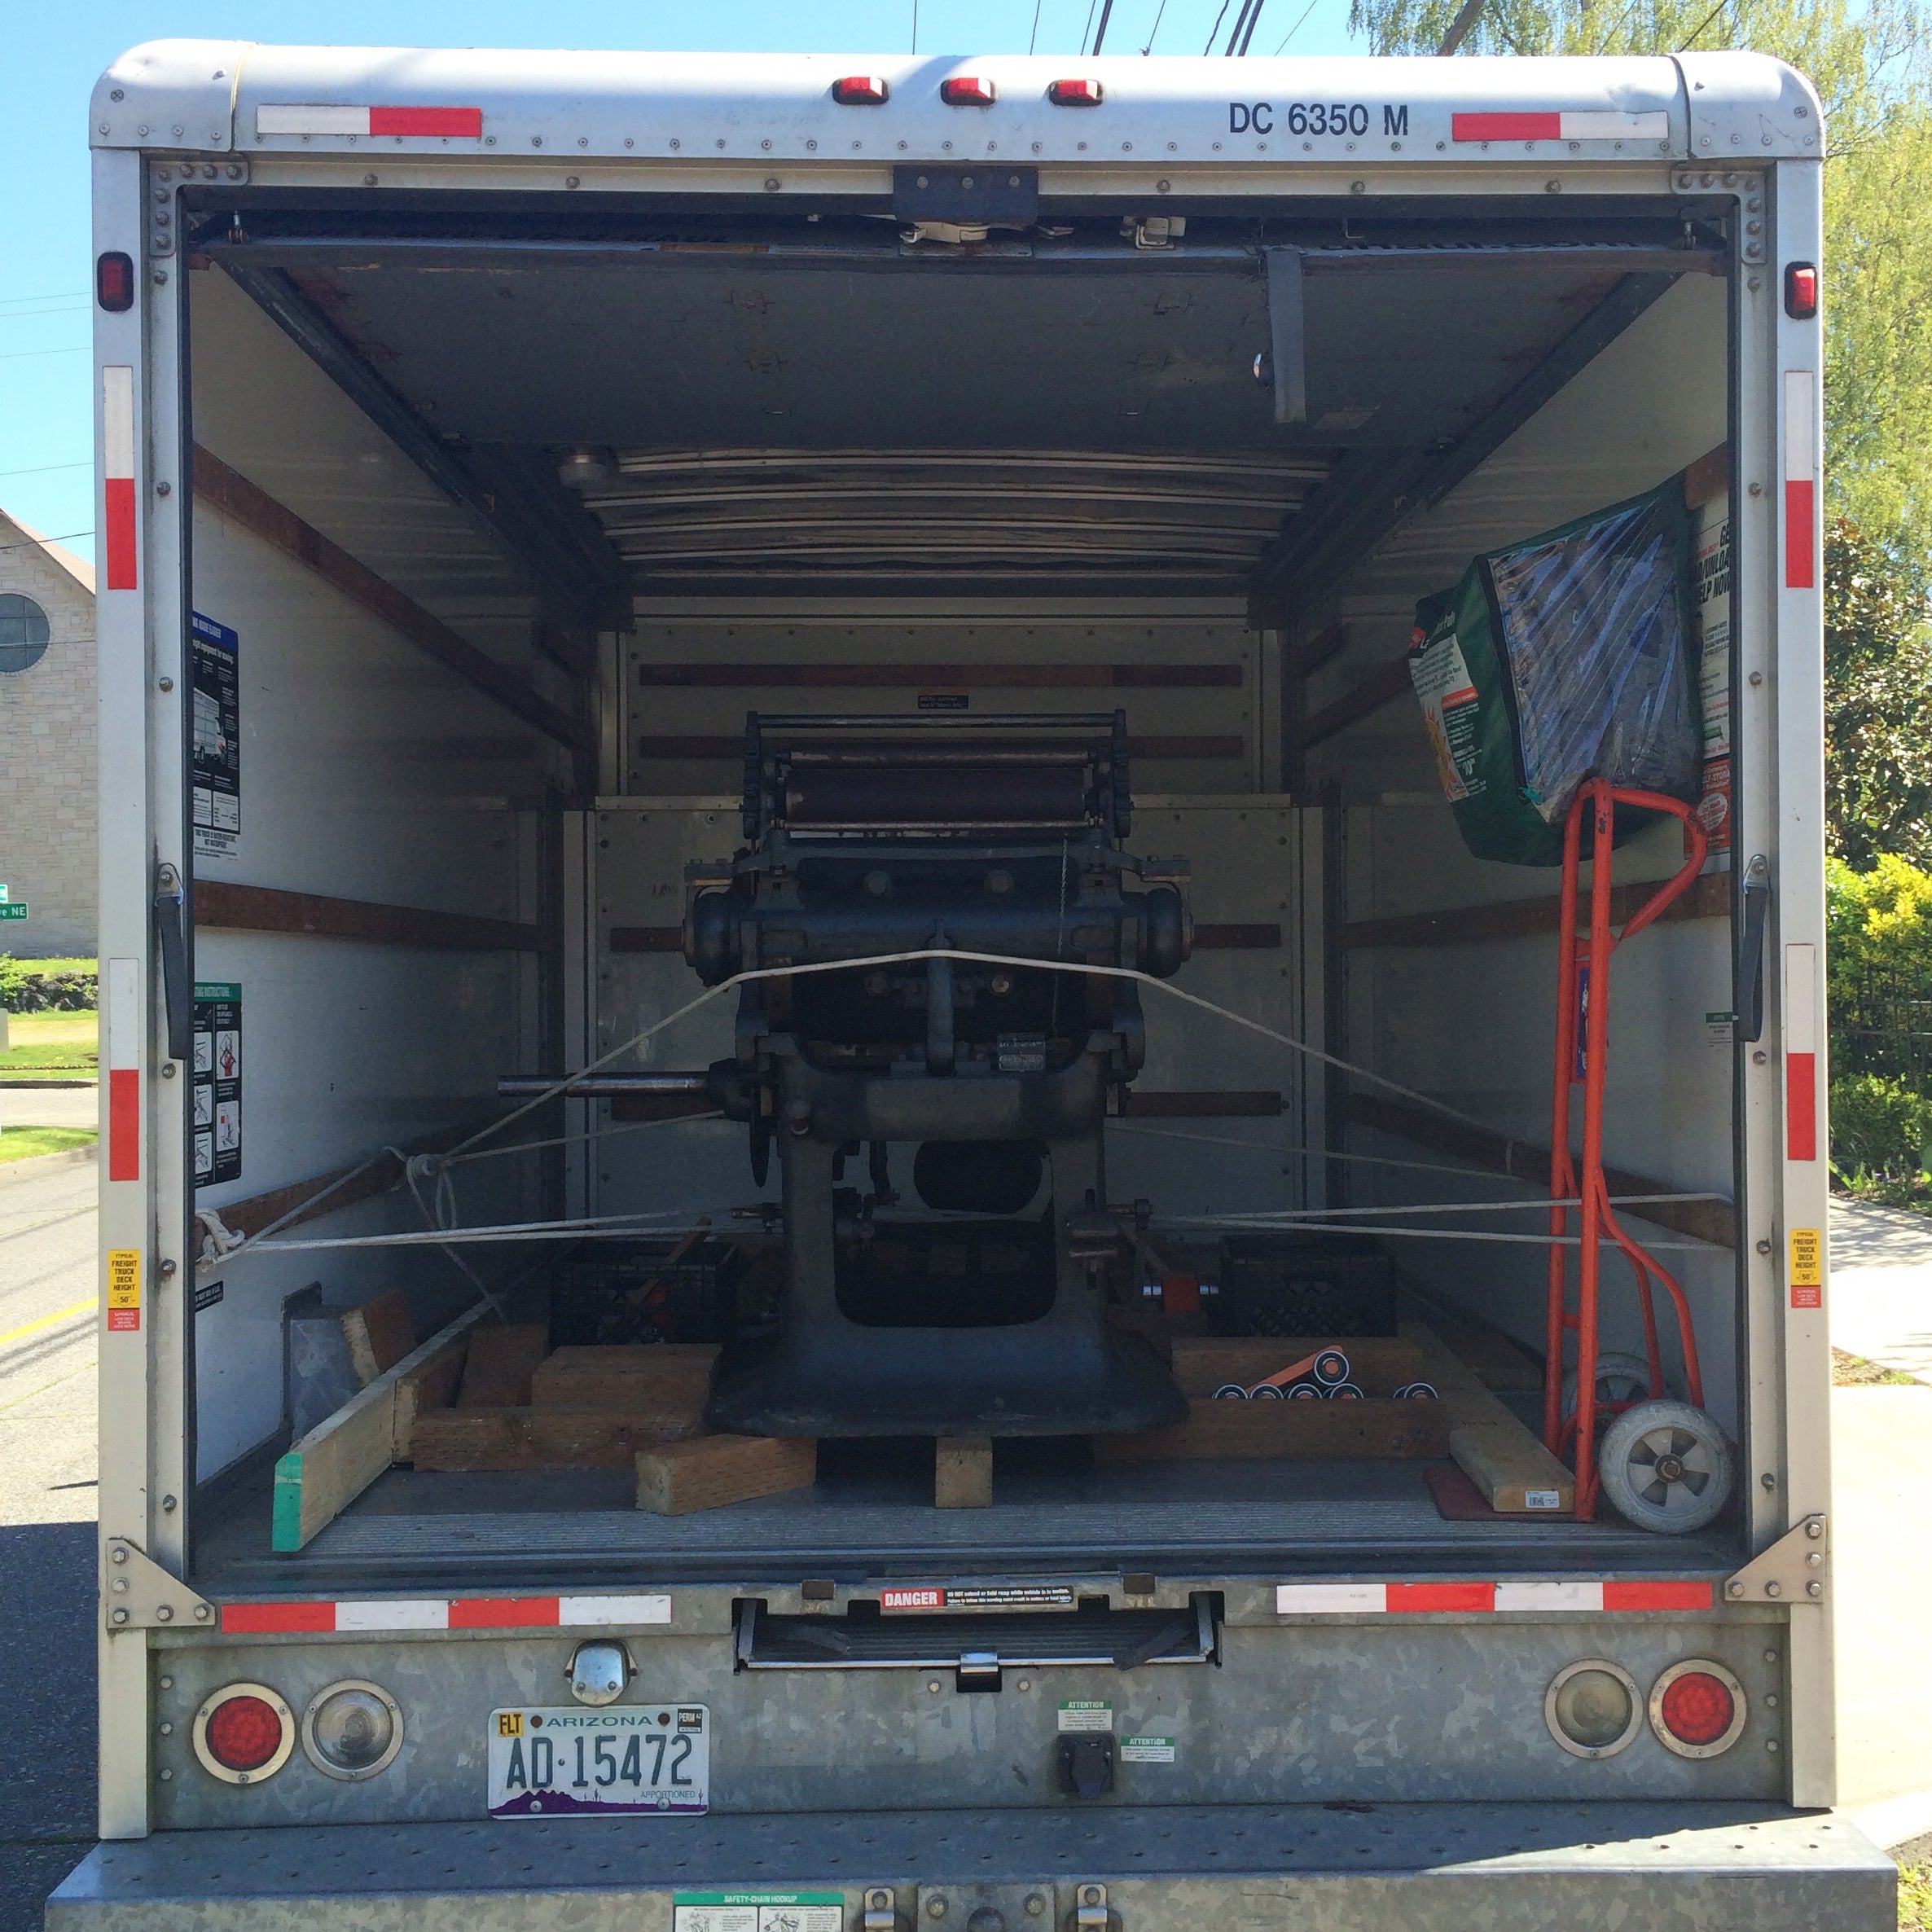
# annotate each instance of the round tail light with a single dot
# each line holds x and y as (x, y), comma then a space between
(1697, 1709)
(1593, 1708)
(351, 1730)
(243, 1733)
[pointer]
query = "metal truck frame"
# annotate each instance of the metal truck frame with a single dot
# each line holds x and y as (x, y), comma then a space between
(1297, 1801)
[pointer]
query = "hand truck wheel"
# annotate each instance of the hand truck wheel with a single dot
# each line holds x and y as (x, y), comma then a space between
(1621, 1379)
(1666, 1467)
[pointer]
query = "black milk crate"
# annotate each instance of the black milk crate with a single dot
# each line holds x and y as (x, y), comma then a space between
(631, 1291)
(1298, 1284)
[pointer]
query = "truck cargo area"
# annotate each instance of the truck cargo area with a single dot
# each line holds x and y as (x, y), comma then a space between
(517, 507)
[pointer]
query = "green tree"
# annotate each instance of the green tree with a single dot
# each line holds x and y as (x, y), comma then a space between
(1877, 677)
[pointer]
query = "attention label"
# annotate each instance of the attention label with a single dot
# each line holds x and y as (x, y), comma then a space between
(757, 1912)
(1081, 1714)
(1147, 1750)
(1807, 1268)
(124, 1287)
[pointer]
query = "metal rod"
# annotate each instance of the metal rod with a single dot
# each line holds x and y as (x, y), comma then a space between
(517, 1087)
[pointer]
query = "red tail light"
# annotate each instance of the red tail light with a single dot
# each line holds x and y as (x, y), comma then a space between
(965, 90)
(114, 282)
(1697, 1709)
(1801, 291)
(243, 1733)
(859, 90)
(1075, 94)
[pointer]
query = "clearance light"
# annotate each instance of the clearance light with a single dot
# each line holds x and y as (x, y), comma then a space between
(965, 90)
(351, 1730)
(859, 90)
(1801, 291)
(114, 282)
(243, 1733)
(1076, 94)
(1697, 1709)
(1593, 1708)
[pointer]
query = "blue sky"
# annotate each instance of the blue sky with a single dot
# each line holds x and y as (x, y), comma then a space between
(50, 56)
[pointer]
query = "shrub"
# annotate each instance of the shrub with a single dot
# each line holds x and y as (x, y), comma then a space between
(26, 986)
(1879, 1127)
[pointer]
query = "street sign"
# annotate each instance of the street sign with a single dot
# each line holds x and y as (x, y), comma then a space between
(13, 909)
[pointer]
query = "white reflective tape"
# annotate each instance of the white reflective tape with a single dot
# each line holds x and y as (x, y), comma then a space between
(405, 1613)
(118, 421)
(1531, 1595)
(613, 1609)
(1801, 439)
(1292, 1599)
(124, 1014)
(1602, 125)
(1801, 999)
(311, 119)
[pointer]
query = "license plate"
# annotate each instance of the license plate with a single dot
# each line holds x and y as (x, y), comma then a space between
(551, 1763)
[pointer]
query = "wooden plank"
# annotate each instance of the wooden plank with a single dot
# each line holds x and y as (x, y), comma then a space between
(624, 1376)
(963, 1472)
(1381, 686)
(1706, 898)
(501, 1359)
(711, 675)
(1713, 1221)
(338, 1458)
(380, 1334)
(1379, 1364)
(1208, 939)
(1177, 1103)
(710, 1472)
(1511, 1468)
(220, 906)
(1378, 1428)
(1708, 478)
(523, 1438)
(702, 745)
(232, 492)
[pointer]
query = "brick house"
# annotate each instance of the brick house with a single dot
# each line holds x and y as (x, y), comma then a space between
(47, 735)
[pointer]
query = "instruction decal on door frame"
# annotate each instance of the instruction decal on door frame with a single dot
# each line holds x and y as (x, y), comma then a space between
(215, 758)
(216, 1082)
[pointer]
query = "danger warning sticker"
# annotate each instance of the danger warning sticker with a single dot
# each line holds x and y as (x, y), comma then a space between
(980, 1596)
(124, 1287)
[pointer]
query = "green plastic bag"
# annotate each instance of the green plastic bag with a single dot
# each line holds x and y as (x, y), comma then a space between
(1567, 658)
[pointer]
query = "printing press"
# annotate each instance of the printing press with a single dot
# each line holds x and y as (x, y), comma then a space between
(978, 1091)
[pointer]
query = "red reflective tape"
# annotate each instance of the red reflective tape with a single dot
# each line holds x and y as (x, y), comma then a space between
(124, 1124)
(504, 1612)
(1659, 1596)
(121, 575)
(464, 123)
(1800, 538)
(1506, 127)
(249, 1617)
(1801, 1106)
(1441, 1596)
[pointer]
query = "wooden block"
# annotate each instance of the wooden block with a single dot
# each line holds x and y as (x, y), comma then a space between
(338, 1458)
(497, 1373)
(708, 1471)
(1378, 1364)
(1512, 1470)
(380, 1334)
(524, 1438)
(963, 1472)
(1376, 1429)
(432, 1385)
(625, 1376)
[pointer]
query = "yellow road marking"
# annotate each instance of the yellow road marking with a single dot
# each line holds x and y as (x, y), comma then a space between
(47, 1321)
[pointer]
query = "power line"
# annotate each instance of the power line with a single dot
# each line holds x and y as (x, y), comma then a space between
(20, 355)
(44, 468)
(42, 543)
(1100, 33)
(1159, 13)
(72, 295)
(1295, 29)
(1035, 33)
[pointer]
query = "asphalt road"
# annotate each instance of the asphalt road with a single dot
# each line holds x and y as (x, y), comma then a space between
(46, 1529)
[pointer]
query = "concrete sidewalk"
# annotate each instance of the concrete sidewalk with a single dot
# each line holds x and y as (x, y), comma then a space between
(1881, 1286)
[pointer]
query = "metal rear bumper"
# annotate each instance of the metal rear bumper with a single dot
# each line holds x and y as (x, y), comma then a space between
(1698, 1867)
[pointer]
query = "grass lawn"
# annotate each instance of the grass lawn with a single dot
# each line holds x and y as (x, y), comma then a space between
(23, 1143)
(51, 1043)
(1915, 1899)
